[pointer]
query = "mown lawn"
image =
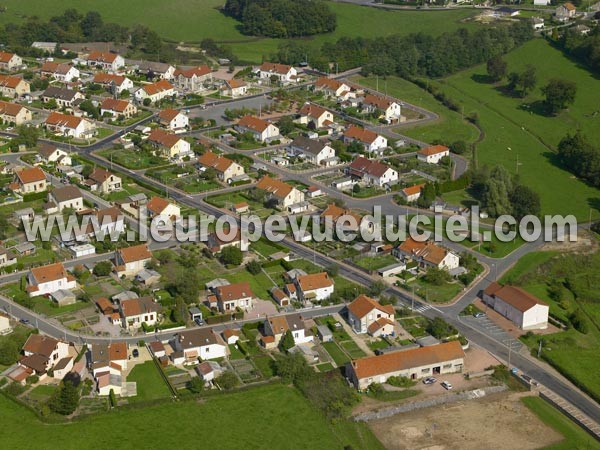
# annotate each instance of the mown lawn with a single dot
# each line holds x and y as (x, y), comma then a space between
(219, 415)
(336, 353)
(150, 385)
(575, 436)
(521, 137)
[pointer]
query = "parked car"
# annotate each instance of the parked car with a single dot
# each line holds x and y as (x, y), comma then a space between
(479, 315)
(429, 380)
(446, 385)
(199, 322)
(135, 353)
(24, 321)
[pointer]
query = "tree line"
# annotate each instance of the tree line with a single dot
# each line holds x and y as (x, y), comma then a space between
(282, 18)
(585, 49)
(580, 157)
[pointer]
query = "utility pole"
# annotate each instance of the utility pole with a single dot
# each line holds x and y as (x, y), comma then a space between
(540, 348)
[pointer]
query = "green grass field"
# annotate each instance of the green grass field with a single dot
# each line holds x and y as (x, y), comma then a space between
(336, 353)
(250, 419)
(516, 133)
(575, 436)
(194, 20)
(150, 385)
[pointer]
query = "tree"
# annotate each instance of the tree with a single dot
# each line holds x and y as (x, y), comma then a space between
(232, 255)
(332, 270)
(459, 147)
(496, 68)
(227, 380)
(559, 94)
(376, 288)
(88, 107)
(527, 80)
(196, 385)
(286, 125)
(65, 400)
(287, 341)
(292, 368)
(102, 269)
(28, 136)
(3, 226)
(9, 352)
(147, 102)
(254, 267)
(524, 201)
(440, 329)
(436, 276)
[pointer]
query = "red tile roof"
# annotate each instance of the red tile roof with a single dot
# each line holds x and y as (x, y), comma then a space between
(135, 253)
(275, 187)
(30, 175)
(363, 165)
(281, 69)
(163, 138)
(433, 150)
(159, 86)
(254, 123)
(112, 104)
(314, 281)
(363, 305)
(60, 119)
(102, 57)
(49, 273)
(360, 134)
(234, 291)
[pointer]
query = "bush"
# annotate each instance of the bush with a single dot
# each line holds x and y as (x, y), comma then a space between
(579, 321)
(227, 380)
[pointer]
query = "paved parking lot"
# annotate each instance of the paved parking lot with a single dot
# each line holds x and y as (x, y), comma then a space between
(487, 326)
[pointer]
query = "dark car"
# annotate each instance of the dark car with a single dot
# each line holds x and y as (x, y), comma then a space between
(135, 353)
(429, 380)
(24, 321)
(199, 322)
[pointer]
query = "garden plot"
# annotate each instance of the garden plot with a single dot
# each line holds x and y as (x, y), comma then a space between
(246, 370)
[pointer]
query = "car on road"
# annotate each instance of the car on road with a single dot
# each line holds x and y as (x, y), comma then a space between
(429, 380)
(199, 322)
(135, 353)
(446, 385)
(479, 315)
(24, 321)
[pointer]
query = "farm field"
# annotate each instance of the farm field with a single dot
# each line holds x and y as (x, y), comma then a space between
(309, 431)
(521, 138)
(194, 20)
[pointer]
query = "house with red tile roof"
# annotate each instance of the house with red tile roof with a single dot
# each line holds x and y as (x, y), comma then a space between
(129, 261)
(234, 88)
(371, 172)
(565, 12)
(68, 125)
(29, 180)
(169, 144)
(14, 114)
(136, 311)
(47, 279)
(283, 193)
(367, 315)
(390, 109)
(105, 61)
(13, 86)
(203, 343)
(314, 287)
(103, 181)
(331, 87)
(278, 326)
(433, 154)
(371, 141)
(113, 83)
(118, 108)
(160, 207)
(412, 193)
(427, 254)
(260, 129)
(315, 116)
(51, 154)
(236, 295)
(194, 79)
(519, 306)
(155, 91)
(225, 168)
(41, 353)
(416, 363)
(64, 72)
(173, 120)
(281, 72)
(10, 61)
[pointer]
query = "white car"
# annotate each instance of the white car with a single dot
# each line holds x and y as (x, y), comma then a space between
(446, 385)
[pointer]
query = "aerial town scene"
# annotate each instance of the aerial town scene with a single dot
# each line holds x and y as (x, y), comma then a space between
(300, 224)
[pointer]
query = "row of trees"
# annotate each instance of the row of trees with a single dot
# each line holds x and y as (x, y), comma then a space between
(580, 157)
(282, 18)
(584, 48)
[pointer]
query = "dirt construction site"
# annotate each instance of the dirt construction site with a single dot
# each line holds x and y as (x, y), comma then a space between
(499, 421)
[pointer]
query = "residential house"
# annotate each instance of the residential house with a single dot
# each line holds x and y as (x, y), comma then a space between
(412, 193)
(158, 349)
(103, 181)
(209, 370)
(114, 83)
(65, 98)
(216, 245)
(372, 173)
(14, 114)
(105, 61)
(389, 108)
(367, 315)
(63, 72)
(118, 108)
(10, 61)
(170, 145)
(41, 353)
(225, 168)
(108, 358)
(155, 92)
(331, 88)
(231, 336)
(433, 154)
(278, 326)
(416, 363)
(260, 129)
(538, 23)
(133, 204)
(565, 12)
(173, 120)
(153, 69)
(51, 154)
(236, 295)
(159, 207)
(29, 180)
(279, 296)
(7, 258)
(315, 116)
(334, 213)
(109, 310)
(131, 260)
(372, 142)
(427, 254)
(198, 343)
(136, 311)
(13, 87)
(285, 195)
(314, 287)
(194, 79)
(519, 306)
(281, 72)
(45, 280)
(234, 88)
(66, 197)
(67, 125)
